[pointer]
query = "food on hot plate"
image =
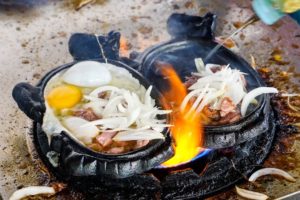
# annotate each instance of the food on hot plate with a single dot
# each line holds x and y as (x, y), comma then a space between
(219, 93)
(103, 107)
(262, 172)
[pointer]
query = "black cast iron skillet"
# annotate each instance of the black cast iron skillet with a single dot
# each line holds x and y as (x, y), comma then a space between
(192, 37)
(64, 155)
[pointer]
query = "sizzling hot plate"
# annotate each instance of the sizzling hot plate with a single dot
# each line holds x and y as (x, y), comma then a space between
(65, 156)
(181, 51)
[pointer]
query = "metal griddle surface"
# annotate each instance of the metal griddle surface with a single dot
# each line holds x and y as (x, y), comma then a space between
(33, 41)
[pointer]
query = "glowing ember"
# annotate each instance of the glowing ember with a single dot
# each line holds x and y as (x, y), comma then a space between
(187, 130)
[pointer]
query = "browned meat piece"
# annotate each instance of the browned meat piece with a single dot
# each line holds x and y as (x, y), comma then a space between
(87, 114)
(211, 113)
(96, 147)
(116, 150)
(141, 143)
(102, 95)
(120, 143)
(227, 106)
(190, 80)
(105, 138)
(230, 118)
(105, 144)
(216, 68)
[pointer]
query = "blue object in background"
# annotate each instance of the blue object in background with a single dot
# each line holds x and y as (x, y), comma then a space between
(296, 16)
(268, 14)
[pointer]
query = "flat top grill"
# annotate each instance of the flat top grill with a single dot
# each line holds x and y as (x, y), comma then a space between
(33, 41)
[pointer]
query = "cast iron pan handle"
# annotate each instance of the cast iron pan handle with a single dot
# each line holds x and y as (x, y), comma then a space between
(30, 100)
(182, 26)
(91, 47)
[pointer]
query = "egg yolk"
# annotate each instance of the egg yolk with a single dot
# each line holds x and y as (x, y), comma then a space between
(65, 96)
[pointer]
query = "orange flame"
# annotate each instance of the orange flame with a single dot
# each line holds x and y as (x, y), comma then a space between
(124, 46)
(187, 130)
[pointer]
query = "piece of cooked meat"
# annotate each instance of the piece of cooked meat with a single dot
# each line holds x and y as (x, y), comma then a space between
(102, 95)
(230, 118)
(105, 138)
(87, 114)
(105, 143)
(141, 143)
(211, 113)
(190, 80)
(116, 150)
(227, 106)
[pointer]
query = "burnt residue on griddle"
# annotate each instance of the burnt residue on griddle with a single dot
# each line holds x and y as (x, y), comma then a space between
(283, 154)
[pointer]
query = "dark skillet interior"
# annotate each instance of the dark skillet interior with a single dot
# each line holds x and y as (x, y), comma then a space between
(154, 94)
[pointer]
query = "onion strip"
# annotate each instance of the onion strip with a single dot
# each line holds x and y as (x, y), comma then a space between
(253, 94)
(138, 135)
(294, 108)
(250, 194)
(200, 66)
(32, 190)
(273, 171)
(127, 113)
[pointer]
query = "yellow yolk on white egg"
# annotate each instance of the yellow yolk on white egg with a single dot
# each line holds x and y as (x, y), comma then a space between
(65, 96)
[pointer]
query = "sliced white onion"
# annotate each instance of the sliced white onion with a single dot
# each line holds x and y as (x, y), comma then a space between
(81, 132)
(208, 99)
(138, 135)
(250, 194)
(32, 190)
(133, 116)
(253, 94)
(162, 112)
(199, 64)
(112, 104)
(236, 92)
(290, 95)
(95, 92)
(272, 171)
(147, 98)
(92, 98)
(111, 123)
(294, 108)
(199, 98)
(123, 108)
(188, 97)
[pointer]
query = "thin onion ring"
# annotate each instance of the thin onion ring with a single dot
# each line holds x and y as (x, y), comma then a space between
(250, 194)
(32, 190)
(273, 171)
